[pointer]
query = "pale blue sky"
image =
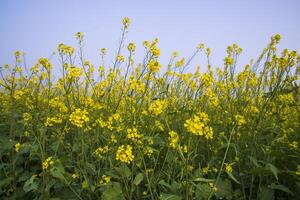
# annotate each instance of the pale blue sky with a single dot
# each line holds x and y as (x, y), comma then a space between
(37, 27)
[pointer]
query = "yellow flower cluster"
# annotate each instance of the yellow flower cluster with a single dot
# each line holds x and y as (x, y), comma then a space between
(131, 47)
(79, 117)
(51, 121)
(120, 58)
(136, 85)
(179, 63)
(154, 66)
(100, 151)
(157, 107)
(64, 49)
(17, 147)
(45, 63)
(58, 104)
(198, 125)
(27, 117)
(47, 163)
(104, 180)
(126, 22)
(79, 36)
(134, 136)
(228, 167)
(154, 50)
(124, 154)
(240, 120)
(173, 139)
(74, 73)
(148, 151)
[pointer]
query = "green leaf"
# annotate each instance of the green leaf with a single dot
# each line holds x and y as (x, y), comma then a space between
(138, 179)
(85, 184)
(232, 177)
(164, 183)
(254, 161)
(203, 191)
(90, 168)
(175, 187)
(281, 187)
(169, 197)
(273, 169)
(224, 189)
(58, 171)
(124, 171)
(6, 181)
(113, 174)
(30, 185)
(266, 194)
(114, 192)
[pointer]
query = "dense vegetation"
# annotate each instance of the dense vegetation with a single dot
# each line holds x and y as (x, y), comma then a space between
(139, 131)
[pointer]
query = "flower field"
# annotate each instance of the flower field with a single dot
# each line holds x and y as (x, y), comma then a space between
(140, 130)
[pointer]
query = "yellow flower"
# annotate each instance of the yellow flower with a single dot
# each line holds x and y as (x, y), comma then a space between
(79, 117)
(157, 107)
(146, 43)
(64, 49)
(45, 63)
(173, 139)
(126, 22)
(51, 121)
(120, 58)
(294, 145)
(228, 167)
(79, 36)
(148, 151)
(124, 154)
(47, 163)
(240, 120)
(100, 151)
(27, 117)
(131, 47)
(113, 139)
(184, 148)
(17, 147)
(155, 51)
(74, 73)
(75, 176)
(175, 54)
(134, 136)
(179, 63)
(104, 180)
(154, 66)
(198, 125)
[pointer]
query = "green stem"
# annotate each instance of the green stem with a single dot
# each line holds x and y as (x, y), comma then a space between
(223, 161)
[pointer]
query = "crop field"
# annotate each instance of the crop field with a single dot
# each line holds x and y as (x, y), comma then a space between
(136, 130)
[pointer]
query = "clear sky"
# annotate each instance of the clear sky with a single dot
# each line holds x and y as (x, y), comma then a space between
(37, 27)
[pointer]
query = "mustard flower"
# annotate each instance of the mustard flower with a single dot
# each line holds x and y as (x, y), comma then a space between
(104, 180)
(154, 66)
(198, 125)
(157, 107)
(173, 139)
(17, 147)
(100, 151)
(134, 136)
(124, 154)
(47, 163)
(79, 117)
(126, 22)
(131, 47)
